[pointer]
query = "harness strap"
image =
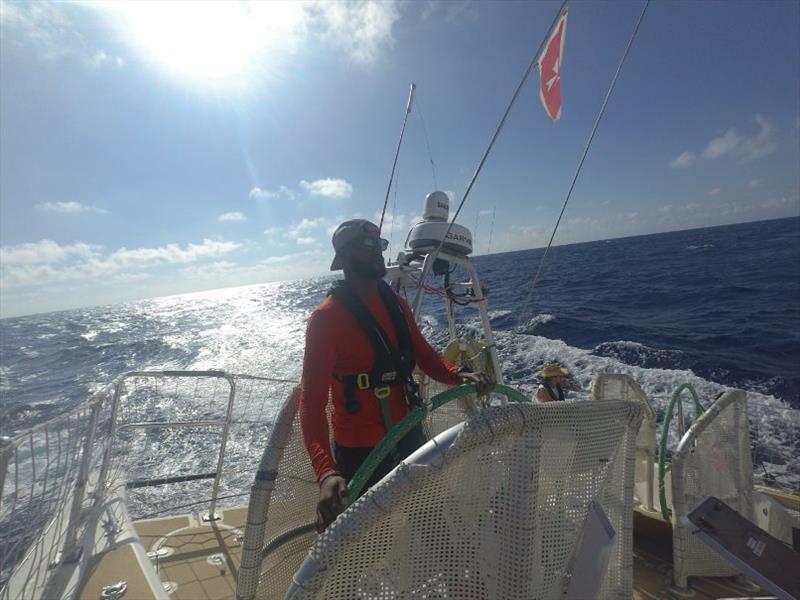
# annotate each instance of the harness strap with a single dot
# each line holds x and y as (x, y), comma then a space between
(552, 394)
(391, 366)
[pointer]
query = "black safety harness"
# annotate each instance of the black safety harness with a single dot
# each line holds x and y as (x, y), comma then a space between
(392, 366)
(551, 393)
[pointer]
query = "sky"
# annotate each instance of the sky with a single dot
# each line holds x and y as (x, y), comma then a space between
(153, 148)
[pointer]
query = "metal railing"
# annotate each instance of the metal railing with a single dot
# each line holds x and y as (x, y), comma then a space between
(44, 474)
(51, 474)
(224, 423)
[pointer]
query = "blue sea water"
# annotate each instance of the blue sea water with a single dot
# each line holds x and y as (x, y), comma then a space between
(717, 307)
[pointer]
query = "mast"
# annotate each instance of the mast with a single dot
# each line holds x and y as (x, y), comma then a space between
(397, 152)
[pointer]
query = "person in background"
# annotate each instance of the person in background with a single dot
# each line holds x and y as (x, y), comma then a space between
(553, 382)
(362, 344)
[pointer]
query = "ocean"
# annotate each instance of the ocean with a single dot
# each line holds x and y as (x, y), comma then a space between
(717, 307)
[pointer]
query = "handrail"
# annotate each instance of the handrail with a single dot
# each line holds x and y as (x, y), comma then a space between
(414, 418)
(225, 424)
(662, 449)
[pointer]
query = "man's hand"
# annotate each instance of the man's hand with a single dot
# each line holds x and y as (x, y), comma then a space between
(332, 500)
(483, 384)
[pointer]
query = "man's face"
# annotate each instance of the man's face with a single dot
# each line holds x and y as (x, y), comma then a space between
(365, 257)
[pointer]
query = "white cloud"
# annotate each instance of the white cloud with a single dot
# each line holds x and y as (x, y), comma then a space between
(41, 25)
(130, 277)
(171, 253)
(362, 29)
(102, 58)
(713, 211)
(44, 251)
(744, 148)
(300, 232)
(273, 260)
(272, 230)
(232, 217)
(328, 188)
(683, 160)
(282, 192)
(287, 258)
(398, 224)
(44, 262)
(485, 211)
(779, 203)
(306, 225)
(215, 269)
(715, 191)
(754, 183)
(454, 12)
(722, 145)
(69, 208)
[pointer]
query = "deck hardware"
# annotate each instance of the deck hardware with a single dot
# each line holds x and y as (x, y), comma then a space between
(170, 586)
(114, 591)
(217, 560)
(160, 553)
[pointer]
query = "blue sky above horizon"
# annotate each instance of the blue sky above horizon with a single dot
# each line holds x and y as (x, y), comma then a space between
(151, 149)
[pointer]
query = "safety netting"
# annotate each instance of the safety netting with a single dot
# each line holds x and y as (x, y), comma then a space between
(712, 459)
(615, 386)
(281, 512)
(491, 508)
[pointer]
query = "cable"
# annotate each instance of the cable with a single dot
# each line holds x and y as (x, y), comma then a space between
(427, 145)
(525, 304)
(495, 135)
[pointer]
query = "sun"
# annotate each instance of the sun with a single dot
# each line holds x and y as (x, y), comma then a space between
(207, 42)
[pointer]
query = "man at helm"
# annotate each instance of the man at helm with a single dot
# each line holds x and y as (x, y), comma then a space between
(362, 344)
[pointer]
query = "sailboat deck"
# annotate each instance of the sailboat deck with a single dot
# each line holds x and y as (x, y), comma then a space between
(197, 560)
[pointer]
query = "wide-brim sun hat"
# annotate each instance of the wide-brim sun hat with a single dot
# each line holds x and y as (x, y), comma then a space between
(553, 370)
(347, 233)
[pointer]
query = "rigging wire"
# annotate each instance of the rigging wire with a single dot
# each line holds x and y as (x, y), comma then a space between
(522, 313)
(491, 231)
(394, 214)
(435, 254)
(427, 145)
(475, 232)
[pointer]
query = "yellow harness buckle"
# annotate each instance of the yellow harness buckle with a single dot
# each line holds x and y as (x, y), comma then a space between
(383, 392)
(362, 381)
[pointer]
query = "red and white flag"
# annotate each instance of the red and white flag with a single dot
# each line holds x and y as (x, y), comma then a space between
(550, 69)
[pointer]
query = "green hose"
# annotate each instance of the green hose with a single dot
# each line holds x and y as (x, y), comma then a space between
(414, 418)
(662, 450)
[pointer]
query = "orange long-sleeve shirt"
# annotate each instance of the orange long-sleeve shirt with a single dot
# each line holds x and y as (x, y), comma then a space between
(335, 343)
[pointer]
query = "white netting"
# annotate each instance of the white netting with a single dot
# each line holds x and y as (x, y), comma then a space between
(495, 514)
(712, 459)
(281, 512)
(613, 386)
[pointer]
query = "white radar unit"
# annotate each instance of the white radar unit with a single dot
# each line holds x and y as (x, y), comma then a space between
(426, 235)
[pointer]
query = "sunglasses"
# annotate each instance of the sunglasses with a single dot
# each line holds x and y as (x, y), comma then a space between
(372, 243)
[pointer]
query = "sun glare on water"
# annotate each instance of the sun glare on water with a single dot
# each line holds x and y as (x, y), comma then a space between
(210, 43)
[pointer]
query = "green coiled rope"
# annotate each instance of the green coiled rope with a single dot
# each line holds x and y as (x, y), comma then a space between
(414, 418)
(662, 450)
